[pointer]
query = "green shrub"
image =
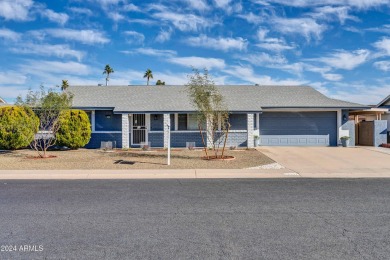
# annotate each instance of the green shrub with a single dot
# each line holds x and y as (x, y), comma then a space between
(18, 126)
(74, 130)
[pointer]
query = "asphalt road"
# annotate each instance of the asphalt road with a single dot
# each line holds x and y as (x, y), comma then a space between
(196, 219)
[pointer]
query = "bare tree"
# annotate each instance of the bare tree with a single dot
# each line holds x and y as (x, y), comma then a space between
(47, 105)
(211, 112)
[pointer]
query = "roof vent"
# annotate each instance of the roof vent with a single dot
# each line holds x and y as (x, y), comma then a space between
(100, 85)
(257, 85)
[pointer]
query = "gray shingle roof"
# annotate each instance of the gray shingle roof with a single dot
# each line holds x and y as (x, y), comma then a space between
(244, 98)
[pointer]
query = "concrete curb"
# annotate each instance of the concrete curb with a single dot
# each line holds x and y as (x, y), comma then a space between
(176, 174)
(144, 174)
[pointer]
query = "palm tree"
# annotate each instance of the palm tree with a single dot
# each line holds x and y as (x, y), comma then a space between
(148, 75)
(108, 70)
(64, 85)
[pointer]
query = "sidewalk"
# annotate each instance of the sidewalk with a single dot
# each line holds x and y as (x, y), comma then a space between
(176, 174)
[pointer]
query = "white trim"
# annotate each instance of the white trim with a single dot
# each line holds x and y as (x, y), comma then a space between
(176, 121)
(125, 131)
(107, 132)
(301, 110)
(93, 121)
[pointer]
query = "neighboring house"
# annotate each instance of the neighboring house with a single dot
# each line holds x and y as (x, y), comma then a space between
(385, 103)
(2, 102)
(280, 115)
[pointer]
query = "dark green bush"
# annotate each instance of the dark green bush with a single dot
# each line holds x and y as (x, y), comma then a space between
(18, 126)
(74, 130)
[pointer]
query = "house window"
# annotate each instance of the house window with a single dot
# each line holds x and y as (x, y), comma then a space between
(182, 125)
(188, 122)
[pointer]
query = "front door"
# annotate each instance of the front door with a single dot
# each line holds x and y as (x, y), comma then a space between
(139, 129)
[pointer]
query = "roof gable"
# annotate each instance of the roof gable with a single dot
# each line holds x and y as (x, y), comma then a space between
(384, 102)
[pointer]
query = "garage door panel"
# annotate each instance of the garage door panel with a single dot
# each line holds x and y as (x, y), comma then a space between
(292, 128)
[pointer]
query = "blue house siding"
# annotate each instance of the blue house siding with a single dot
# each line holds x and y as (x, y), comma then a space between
(103, 123)
(97, 138)
(238, 139)
(180, 139)
(156, 139)
(156, 122)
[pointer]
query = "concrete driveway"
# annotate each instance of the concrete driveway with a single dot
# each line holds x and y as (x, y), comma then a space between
(331, 161)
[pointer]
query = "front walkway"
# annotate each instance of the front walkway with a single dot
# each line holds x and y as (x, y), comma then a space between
(331, 162)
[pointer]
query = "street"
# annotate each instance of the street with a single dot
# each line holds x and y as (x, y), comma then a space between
(195, 219)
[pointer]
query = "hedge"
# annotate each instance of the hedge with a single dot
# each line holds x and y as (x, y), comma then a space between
(18, 126)
(74, 130)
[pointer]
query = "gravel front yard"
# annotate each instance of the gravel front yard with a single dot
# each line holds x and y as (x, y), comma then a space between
(132, 159)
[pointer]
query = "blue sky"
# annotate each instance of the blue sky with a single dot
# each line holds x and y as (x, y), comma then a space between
(340, 47)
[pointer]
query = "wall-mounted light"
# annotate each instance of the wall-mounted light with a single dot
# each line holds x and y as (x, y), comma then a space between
(345, 117)
(108, 116)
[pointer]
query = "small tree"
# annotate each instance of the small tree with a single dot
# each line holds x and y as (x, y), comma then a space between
(159, 82)
(108, 70)
(211, 111)
(148, 75)
(18, 126)
(47, 105)
(75, 129)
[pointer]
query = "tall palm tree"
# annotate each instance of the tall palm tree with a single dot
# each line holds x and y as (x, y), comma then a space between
(108, 70)
(148, 75)
(64, 85)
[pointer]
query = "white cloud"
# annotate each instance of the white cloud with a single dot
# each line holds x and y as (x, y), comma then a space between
(131, 8)
(58, 50)
(247, 75)
(183, 22)
(17, 10)
(332, 76)
(361, 4)
(134, 37)
(152, 52)
(383, 45)
(83, 36)
(80, 10)
(252, 18)
(346, 60)
(271, 44)
(359, 92)
(220, 43)
(330, 13)
(115, 16)
(12, 77)
(60, 18)
(9, 35)
(307, 27)
(39, 68)
(263, 59)
(198, 62)
(200, 5)
(228, 6)
(164, 35)
(382, 65)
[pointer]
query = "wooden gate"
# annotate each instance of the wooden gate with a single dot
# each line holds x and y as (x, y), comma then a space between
(366, 133)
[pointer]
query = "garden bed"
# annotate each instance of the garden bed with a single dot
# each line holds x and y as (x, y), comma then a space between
(130, 159)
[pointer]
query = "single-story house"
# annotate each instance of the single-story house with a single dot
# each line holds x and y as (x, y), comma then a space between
(2, 102)
(385, 103)
(279, 115)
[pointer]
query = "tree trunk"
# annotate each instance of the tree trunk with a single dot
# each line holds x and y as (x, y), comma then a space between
(204, 144)
(224, 143)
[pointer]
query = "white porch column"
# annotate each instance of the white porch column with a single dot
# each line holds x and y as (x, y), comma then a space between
(250, 130)
(339, 123)
(176, 122)
(125, 131)
(167, 123)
